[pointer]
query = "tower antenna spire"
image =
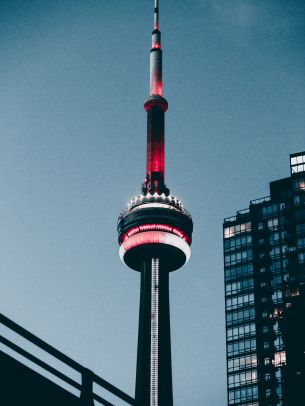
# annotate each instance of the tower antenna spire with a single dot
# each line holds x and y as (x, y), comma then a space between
(156, 15)
(156, 56)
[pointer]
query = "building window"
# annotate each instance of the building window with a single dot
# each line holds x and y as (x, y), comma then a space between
(238, 271)
(240, 301)
(276, 281)
(241, 331)
(277, 250)
(297, 164)
(279, 359)
(240, 316)
(296, 160)
(237, 229)
(237, 257)
(237, 242)
(300, 228)
(242, 378)
(276, 327)
(278, 374)
(242, 395)
(276, 265)
(277, 296)
(301, 257)
(301, 242)
(269, 211)
(297, 200)
(273, 223)
(240, 363)
(274, 238)
(237, 287)
(299, 184)
(265, 329)
(266, 345)
(241, 347)
(278, 343)
(292, 292)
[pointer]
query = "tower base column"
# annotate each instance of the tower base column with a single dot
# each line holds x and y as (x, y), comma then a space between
(154, 371)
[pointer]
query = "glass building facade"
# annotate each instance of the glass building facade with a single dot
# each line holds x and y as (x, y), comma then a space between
(264, 264)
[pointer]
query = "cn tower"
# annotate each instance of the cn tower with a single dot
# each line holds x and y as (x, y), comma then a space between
(154, 234)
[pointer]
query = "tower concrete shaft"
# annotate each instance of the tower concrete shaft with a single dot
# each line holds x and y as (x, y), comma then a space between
(154, 371)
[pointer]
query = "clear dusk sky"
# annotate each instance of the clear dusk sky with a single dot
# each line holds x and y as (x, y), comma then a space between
(73, 78)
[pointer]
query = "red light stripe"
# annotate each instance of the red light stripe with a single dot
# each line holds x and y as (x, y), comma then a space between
(155, 227)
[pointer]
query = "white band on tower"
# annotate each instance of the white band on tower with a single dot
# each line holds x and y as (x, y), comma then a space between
(155, 237)
(154, 326)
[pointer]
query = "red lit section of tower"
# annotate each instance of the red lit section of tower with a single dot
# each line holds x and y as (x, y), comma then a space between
(154, 182)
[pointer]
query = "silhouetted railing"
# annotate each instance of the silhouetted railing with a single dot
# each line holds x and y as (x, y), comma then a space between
(87, 394)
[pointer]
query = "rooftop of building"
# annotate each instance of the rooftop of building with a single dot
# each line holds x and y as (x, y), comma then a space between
(297, 167)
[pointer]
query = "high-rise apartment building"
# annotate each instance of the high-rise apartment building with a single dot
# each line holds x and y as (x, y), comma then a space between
(264, 263)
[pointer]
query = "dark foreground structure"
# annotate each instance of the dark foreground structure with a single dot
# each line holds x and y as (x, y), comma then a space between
(264, 259)
(155, 234)
(33, 373)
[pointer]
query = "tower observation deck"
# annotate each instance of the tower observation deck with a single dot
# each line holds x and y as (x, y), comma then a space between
(154, 234)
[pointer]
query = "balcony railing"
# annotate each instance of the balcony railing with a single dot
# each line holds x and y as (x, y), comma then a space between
(88, 378)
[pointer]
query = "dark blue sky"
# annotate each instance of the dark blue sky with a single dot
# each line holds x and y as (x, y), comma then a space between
(73, 78)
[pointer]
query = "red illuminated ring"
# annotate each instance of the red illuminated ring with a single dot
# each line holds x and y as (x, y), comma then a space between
(155, 227)
(155, 237)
